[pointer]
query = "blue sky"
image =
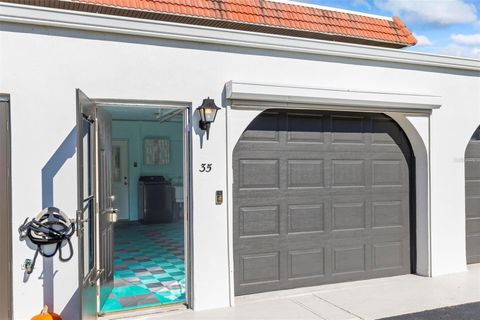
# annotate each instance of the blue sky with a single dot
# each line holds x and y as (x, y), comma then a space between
(449, 27)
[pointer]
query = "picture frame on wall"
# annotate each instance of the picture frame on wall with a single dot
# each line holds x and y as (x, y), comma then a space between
(156, 151)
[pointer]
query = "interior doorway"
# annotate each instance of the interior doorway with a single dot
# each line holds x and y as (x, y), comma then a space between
(148, 173)
(120, 177)
(133, 217)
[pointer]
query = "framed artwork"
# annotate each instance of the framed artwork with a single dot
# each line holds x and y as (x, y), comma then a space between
(156, 151)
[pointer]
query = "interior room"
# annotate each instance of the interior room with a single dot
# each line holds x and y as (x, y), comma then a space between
(147, 184)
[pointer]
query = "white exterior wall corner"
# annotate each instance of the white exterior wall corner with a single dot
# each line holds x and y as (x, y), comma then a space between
(450, 132)
(127, 59)
(417, 129)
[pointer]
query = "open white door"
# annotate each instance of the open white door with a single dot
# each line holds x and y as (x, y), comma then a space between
(87, 204)
(95, 214)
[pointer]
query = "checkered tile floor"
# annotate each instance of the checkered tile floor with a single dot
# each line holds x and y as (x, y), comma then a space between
(149, 267)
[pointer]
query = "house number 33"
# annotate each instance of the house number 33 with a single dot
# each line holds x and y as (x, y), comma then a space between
(205, 167)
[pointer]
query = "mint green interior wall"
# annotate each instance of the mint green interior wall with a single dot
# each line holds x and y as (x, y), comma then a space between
(135, 132)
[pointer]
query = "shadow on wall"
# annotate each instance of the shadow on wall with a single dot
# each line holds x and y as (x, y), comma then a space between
(196, 128)
(65, 151)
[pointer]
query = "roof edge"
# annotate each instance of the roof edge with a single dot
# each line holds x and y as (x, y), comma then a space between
(312, 5)
(403, 28)
(67, 19)
(81, 6)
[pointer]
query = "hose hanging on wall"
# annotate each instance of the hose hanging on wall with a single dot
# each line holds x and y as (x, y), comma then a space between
(51, 227)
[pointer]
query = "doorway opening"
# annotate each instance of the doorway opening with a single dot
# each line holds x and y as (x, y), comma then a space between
(148, 182)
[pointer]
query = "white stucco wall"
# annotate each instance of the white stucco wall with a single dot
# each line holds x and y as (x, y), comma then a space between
(42, 66)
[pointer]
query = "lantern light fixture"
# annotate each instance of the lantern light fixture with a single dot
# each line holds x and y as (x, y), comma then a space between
(208, 113)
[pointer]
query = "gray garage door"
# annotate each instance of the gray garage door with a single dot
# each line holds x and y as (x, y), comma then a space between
(472, 198)
(320, 197)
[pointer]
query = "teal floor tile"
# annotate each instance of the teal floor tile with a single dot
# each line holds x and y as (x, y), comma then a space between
(149, 267)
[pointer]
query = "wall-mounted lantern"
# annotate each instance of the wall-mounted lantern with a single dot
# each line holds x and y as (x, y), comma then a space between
(208, 112)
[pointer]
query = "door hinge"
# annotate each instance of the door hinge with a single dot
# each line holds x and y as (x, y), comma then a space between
(80, 222)
(89, 118)
(98, 274)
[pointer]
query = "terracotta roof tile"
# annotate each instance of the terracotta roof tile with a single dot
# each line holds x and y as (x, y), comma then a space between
(261, 16)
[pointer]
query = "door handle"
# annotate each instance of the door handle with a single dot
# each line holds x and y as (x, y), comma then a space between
(112, 214)
(80, 222)
(110, 210)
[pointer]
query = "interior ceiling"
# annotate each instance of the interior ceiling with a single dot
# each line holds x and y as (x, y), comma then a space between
(144, 113)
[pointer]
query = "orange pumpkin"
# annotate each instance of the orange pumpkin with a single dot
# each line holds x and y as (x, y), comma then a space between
(45, 315)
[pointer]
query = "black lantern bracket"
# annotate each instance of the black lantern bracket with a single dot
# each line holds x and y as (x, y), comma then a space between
(208, 112)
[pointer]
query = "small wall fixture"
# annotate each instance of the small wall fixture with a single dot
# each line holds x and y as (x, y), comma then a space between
(208, 112)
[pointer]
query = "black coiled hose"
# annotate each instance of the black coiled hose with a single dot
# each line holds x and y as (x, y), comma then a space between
(49, 227)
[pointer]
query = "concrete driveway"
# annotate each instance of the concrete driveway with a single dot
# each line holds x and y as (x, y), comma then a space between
(369, 299)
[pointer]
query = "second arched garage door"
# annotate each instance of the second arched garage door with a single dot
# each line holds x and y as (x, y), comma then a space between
(320, 197)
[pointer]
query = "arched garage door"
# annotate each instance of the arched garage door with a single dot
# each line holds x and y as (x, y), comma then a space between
(320, 197)
(472, 198)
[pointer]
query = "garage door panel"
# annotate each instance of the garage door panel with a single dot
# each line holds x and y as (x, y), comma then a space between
(260, 268)
(305, 173)
(265, 129)
(259, 173)
(258, 221)
(348, 216)
(388, 214)
(473, 226)
(388, 255)
(348, 130)
(472, 168)
(309, 130)
(387, 173)
(472, 188)
(473, 207)
(349, 259)
(473, 248)
(308, 263)
(348, 173)
(472, 198)
(473, 149)
(327, 201)
(306, 218)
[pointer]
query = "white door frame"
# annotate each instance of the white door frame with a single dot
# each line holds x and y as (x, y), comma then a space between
(187, 174)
